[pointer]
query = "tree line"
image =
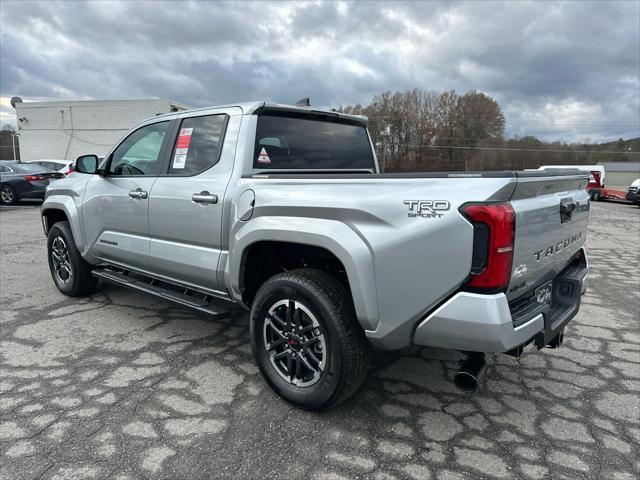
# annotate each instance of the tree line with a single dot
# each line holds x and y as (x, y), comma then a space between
(426, 130)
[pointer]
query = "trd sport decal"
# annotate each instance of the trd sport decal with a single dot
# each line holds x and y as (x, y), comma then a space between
(427, 208)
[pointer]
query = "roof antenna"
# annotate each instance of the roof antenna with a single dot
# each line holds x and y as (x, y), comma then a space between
(303, 102)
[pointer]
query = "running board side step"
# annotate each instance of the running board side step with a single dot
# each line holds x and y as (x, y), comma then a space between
(189, 298)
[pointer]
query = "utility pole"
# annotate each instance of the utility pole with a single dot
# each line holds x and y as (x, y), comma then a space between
(384, 157)
(13, 143)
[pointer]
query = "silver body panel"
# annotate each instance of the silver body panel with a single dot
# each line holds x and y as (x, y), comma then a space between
(116, 226)
(186, 237)
(474, 322)
(544, 245)
(399, 267)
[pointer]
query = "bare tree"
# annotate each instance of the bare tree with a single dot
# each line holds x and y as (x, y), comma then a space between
(479, 118)
(404, 126)
(447, 115)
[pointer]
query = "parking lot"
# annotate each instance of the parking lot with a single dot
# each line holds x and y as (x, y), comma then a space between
(122, 385)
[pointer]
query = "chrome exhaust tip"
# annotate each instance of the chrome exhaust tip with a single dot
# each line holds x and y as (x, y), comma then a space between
(470, 373)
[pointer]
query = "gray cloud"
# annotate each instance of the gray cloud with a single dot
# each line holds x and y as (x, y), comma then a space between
(559, 70)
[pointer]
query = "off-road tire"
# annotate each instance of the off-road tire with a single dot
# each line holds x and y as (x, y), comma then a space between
(81, 281)
(347, 349)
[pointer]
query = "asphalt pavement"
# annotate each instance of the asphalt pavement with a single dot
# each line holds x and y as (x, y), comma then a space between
(122, 385)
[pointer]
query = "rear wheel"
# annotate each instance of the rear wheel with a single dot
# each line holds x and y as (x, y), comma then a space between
(306, 339)
(71, 274)
(8, 195)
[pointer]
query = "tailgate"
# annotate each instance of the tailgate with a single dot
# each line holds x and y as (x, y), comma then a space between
(551, 218)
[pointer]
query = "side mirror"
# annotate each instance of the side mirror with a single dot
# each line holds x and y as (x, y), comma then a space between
(87, 164)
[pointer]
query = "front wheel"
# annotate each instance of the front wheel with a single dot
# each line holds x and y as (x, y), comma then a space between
(306, 339)
(71, 274)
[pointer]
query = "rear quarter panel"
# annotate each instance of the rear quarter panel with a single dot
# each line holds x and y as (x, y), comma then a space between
(398, 266)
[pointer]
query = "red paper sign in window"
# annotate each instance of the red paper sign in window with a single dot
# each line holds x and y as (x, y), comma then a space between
(184, 139)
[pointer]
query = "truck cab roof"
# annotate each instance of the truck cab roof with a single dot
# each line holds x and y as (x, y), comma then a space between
(257, 107)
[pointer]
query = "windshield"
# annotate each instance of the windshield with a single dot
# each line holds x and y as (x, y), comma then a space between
(286, 142)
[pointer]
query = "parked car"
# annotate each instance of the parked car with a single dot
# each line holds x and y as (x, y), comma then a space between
(282, 210)
(61, 166)
(24, 180)
(633, 193)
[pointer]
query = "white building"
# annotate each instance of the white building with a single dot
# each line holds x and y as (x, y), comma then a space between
(64, 130)
(620, 174)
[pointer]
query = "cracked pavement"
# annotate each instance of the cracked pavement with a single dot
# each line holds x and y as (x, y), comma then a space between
(123, 385)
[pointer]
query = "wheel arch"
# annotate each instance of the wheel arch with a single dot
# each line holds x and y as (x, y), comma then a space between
(59, 209)
(254, 243)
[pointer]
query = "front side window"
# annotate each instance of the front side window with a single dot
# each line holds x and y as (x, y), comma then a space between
(198, 144)
(138, 153)
(288, 142)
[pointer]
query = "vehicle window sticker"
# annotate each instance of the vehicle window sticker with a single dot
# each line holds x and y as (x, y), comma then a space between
(179, 161)
(263, 157)
(182, 148)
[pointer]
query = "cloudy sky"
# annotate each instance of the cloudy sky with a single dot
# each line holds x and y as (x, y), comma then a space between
(559, 70)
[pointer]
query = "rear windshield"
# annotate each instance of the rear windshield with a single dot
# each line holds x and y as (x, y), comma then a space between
(28, 168)
(303, 143)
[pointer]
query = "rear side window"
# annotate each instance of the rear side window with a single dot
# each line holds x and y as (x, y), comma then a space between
(198, 145)
(49, 165)
(305, 143)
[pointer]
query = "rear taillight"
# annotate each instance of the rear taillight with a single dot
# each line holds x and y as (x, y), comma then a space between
(494, 226)
(70, 171)
(34, 178)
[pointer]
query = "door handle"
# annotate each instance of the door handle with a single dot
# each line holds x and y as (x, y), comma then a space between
(567, 207)
(138, 194)
(566, 210)
(204, 197)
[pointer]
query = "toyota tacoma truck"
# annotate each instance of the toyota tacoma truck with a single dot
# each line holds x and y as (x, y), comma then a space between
(282, 210)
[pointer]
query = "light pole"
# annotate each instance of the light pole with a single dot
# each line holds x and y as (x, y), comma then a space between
(13, 143)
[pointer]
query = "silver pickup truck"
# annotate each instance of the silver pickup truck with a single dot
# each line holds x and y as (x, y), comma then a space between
(282, 210)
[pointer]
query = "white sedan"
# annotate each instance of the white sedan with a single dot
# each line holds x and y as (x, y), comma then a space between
(60, 166)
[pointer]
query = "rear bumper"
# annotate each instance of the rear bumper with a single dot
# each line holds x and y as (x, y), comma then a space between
(488, 323)
(26, 189)
(33, 193)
